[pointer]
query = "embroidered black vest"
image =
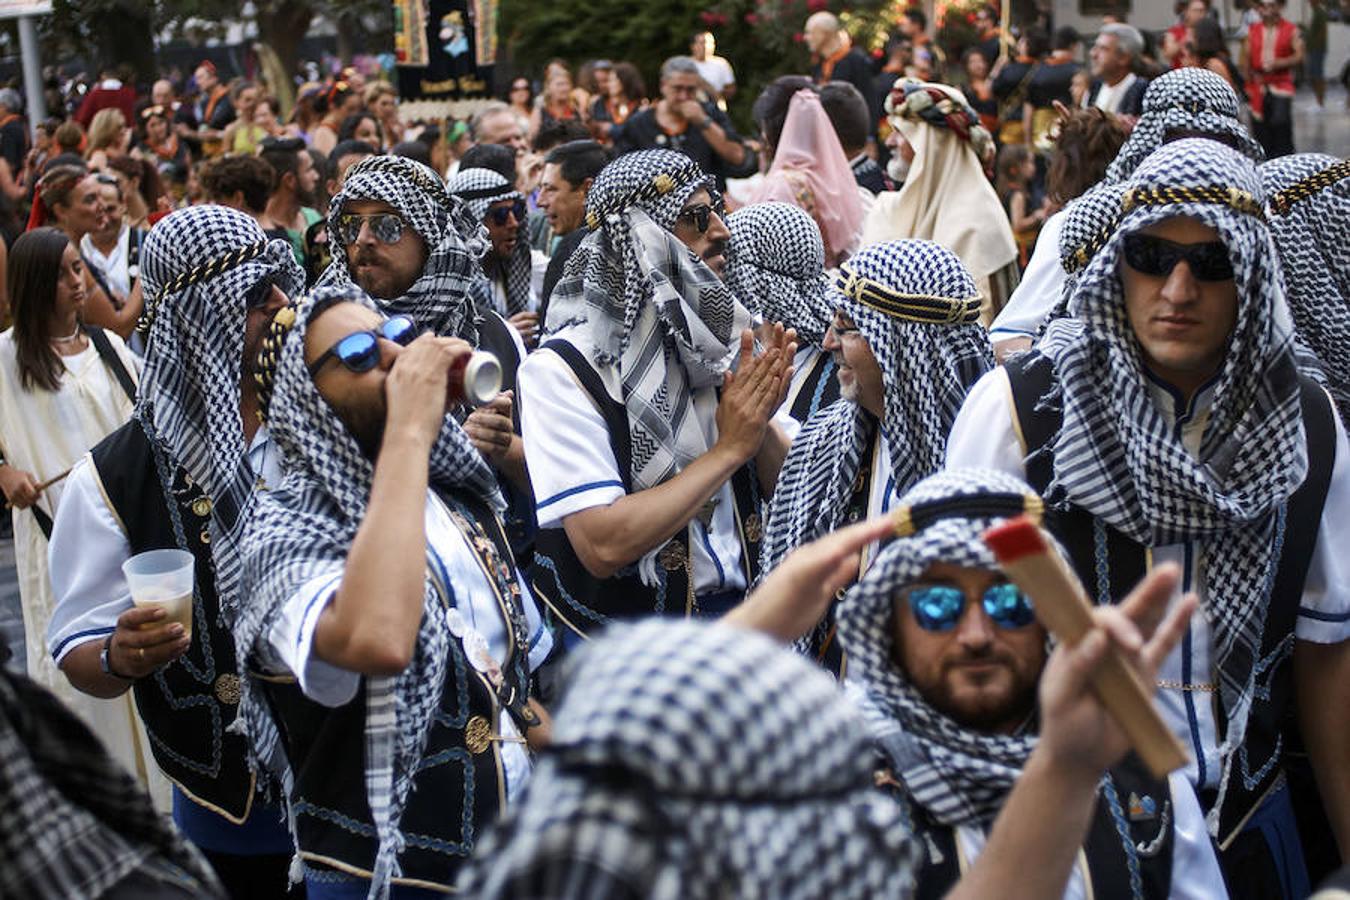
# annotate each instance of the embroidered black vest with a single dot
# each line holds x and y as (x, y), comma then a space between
(1110, 564)
(188, 705)
(494, 336)
(586, 603)
(460, 787)
(1128, 848)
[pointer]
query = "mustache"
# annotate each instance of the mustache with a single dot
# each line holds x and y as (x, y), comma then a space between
(986, 654)
(716, 248)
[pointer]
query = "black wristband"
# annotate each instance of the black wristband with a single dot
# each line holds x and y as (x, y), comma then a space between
(105, 660)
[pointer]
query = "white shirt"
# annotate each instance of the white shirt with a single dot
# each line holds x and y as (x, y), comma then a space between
(290, 643)
(572, 466)
(717, 72)
(88, 548)
(1039, 290)
(115, 266)
(1110, 96)
(984, 436)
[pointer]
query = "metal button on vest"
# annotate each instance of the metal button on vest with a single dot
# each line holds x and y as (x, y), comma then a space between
(477, 735)
(227, 689)
(671, 556)
(201, 507)
(754, 529)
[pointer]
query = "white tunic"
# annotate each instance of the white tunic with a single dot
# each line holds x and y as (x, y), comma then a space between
(985, 436)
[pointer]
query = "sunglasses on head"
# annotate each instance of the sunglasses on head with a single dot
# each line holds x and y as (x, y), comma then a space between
(498, 215)
(938, 607)
(700, 214)
(1150, 255)
(387, 228)
(360, 350)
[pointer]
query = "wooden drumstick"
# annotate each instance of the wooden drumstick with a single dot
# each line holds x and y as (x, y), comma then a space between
(1034, 565)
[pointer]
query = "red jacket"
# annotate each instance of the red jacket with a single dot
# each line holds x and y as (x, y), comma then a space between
(99, 97)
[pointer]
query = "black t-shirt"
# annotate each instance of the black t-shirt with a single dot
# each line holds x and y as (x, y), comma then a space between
(643, 132)
(857, 70)
(14, 144)
(1051, 83)
(1009, 77)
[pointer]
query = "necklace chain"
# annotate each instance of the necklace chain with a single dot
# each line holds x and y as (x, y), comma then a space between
(70, 338)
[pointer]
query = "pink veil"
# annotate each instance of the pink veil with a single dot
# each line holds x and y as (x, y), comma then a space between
(810, 171)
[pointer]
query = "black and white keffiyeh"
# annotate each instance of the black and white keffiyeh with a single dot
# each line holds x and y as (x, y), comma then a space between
(776, 267)
(1116, 455)
(959, 775)
(303, 529)
(199, 267)
(440, 297)
(917, 306)
(1308, 206)
(696, 760)
(1089, 221)
(479, 189)
(648, 306)
(1184, 102)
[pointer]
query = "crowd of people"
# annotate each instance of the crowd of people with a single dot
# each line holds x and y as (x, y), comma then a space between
(586, 500)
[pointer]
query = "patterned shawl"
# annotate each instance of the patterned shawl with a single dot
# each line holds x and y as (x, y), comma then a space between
(199, 267)
(440, 297)
(306, 525)
(1184, 102)
(918, 309)
(959, 775)
(479, 189)
(1308, 206)
(699, 761)
(775, 267)
(1117, 457)
(650, 308)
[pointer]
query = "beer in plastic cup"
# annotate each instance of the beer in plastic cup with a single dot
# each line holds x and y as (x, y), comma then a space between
(163, 578)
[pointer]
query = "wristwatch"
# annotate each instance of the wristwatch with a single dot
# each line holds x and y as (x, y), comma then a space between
(105, 660)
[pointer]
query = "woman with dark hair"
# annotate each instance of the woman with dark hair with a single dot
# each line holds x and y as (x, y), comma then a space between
(626, 95)
(521, 97)
(141, 188)
(979, 88)
(361, 127)
(61, 392)
(159, 142)
(1210, 51)
(334, 105)
(69, 197)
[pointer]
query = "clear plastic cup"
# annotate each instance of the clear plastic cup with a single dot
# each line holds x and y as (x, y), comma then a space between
(163, 578)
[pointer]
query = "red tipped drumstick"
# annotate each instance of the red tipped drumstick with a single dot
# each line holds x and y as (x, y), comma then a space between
(1034, 565)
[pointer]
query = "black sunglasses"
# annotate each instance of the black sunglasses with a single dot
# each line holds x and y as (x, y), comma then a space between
(701, 215)
(360, 350)
(499, 214)
(938, 607)
(1150, 255)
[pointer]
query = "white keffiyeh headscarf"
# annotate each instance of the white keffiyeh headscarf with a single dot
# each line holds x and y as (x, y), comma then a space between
(301, 530)
(959, 775)
(479, 189)
(200, 267)
(699, 761)
(440, 298)
(1119, 459)
(650, 308)
(776, 268)
(918, 309)
(1308, 205)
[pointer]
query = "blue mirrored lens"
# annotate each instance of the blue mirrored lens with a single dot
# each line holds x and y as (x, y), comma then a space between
(936, 607)
(1008, 606)
(400, 329)
(359, 352)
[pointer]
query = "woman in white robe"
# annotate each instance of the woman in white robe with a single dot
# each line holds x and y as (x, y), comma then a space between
(58, 397)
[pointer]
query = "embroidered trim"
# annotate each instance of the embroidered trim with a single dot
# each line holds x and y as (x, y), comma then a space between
(926, 309)
(1281, 202)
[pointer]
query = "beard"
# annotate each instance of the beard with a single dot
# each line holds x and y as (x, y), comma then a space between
(898, 168)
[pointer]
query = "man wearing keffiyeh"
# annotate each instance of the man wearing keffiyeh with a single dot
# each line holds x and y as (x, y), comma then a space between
(776, 268)
(1185, 102)
(648, 476)
(379, 576)
(514, 270)
(908, 343)
(1308, 203)
(401, 237)
(944, 660)
(182, 475)
(1176, 427)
